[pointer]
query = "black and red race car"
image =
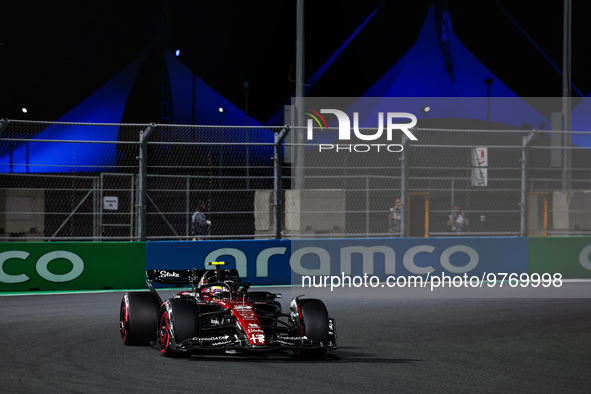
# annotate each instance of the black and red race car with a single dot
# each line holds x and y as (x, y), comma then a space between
(219, 312)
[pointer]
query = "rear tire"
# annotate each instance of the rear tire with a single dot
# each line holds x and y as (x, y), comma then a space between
(138, 318)
(314, 325)
(179, 320)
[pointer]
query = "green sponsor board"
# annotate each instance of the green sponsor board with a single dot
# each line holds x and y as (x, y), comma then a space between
(71, 266)
(569, 256)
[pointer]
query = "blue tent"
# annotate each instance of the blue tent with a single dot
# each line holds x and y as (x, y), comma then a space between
(106, 105)
(441, 73)
(195, 102)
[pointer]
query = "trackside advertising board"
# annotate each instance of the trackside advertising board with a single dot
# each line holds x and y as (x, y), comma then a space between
(32, 266)
(71, 266)
(273, 262)
(569, 256)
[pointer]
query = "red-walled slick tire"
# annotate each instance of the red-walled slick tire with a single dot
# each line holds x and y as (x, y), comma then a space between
(178, 320)
(138, 318)
(314, 325)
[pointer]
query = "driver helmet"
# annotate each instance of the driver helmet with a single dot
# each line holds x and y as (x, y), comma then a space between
(214, 290)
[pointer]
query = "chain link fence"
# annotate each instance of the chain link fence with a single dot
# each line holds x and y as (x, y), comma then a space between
(221, 166)
(73, 181)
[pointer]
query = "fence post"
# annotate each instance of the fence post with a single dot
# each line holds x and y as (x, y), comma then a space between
(404, 161)
(96, 208)
(527, 140)
(188, 208)
(143, 164)
(366, 207)
(277, 180)
(3, 124)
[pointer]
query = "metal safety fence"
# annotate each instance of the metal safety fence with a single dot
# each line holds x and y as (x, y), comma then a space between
(75, 181)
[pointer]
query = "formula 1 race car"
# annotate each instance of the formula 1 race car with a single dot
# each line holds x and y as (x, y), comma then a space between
(220, 313)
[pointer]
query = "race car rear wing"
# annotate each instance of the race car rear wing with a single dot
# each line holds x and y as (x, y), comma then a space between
(189, 277)
(192, 277)
(174, 277)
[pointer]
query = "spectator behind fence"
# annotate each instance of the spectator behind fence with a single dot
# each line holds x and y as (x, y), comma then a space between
(394, 218)
(199, 224)
(458, 222)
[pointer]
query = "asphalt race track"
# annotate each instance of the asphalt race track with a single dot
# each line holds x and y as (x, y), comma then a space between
(70, 343)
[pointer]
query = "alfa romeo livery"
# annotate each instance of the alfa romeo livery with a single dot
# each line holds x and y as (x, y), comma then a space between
(219, 312)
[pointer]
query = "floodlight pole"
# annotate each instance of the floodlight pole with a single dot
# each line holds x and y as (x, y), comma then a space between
(566, 93)
(300, 92)
(246, 136)
(488, 82)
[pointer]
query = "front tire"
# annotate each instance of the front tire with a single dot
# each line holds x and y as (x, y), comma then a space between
(138, 318)
(314, 325)
(179, 320)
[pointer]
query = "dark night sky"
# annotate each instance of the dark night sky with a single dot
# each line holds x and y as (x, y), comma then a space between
(55, 54)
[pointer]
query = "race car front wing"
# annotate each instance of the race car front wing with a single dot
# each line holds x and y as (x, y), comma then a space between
(234, 341)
